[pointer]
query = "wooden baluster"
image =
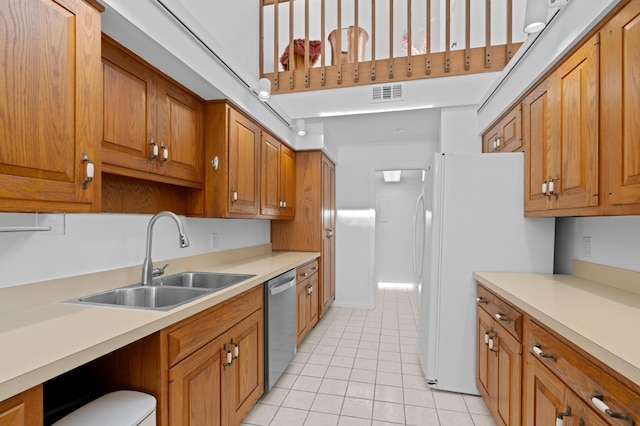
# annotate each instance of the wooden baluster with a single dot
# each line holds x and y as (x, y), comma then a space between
(428, 38)
(391, 39)
(467, 35)
(339, 42)
(276, 67)
(356, 40)
(292, 60)
(306, 43)
(373, 40)
(487, 46)
(323, 80)
(447, 51)
(409, 43)
(509, 30)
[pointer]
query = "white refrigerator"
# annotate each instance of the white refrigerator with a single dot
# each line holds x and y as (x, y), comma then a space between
(470, 217)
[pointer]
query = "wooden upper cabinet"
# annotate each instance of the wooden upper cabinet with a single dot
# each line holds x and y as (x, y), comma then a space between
(152, 126)
(506, 134)
(277, 184)
(232, 155)
(620, 41)
(50, 104)
(561, 138)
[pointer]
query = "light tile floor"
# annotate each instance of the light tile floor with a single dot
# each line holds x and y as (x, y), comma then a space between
(360, 367)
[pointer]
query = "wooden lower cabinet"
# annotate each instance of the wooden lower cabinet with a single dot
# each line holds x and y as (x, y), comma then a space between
(307, 297)
(24, 409)
(205, 370)
(561, 379)
(499, 361)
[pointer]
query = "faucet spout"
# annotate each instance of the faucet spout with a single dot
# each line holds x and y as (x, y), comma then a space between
(147, 265)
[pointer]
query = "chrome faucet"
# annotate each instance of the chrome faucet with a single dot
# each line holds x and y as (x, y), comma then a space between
(147, 266)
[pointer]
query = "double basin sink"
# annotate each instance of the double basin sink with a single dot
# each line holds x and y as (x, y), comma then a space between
(165, 293)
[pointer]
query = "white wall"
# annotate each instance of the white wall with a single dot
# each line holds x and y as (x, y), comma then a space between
(615, 241)
(395, 208)
(355, 232)
(84, 243)
(459, 130)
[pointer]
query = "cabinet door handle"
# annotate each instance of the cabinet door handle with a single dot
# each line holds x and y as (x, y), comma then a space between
(501, 317)
(493, 344)
(89, 170)
(538, 351)
(481, 300)
(544, 188)
(561, 416)
(498, 143)
(154, 150)
(235, 195)
(229, 357)
(597, 401)
(165, 155)
(236, 350)
(330, 233)
(309, 290)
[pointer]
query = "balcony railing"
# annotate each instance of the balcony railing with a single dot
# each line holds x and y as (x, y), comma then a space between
(341, 43)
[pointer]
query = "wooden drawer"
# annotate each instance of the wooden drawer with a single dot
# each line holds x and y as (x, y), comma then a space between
(193, 333)
(306, 270)
(584, 376)
(504, 313)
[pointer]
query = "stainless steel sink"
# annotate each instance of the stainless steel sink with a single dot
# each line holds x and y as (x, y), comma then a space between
(145, 297)
(164, 294)
(208, 280)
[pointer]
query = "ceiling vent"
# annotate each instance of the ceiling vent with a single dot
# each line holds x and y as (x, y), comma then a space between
(386, 93)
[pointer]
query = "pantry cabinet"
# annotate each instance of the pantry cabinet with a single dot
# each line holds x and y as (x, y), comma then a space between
(563, 382)
(51, 103)
(620, 64)
(307, 296)
(499, 357)
(232, 156)
(313, 228)
(24, 409)
(277, 179)
(506, 134)
(561, 138)
(152, 126)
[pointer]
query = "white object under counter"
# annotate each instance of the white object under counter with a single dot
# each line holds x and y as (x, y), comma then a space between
(43, 338)
(597, 309)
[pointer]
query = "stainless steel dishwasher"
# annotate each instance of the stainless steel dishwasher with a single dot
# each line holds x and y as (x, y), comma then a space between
(279, 325)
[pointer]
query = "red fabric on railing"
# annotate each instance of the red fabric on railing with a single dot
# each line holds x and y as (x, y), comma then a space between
(298, 50)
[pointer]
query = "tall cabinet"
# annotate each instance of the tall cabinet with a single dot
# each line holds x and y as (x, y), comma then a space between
(313, 228)
(50, 105)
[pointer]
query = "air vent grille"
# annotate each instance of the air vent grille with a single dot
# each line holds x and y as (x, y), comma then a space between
(386, 93)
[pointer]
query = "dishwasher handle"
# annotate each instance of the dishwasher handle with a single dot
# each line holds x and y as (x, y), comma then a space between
(277, 289)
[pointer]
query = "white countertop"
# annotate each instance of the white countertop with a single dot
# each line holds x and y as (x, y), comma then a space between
(601, 319)
(43, 338)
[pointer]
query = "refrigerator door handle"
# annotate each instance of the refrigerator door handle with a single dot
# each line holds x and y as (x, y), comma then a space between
(417, 215)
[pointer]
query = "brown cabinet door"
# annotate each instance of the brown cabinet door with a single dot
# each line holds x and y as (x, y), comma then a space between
(302, 297)
(196, 386)
(50, 104)
(246, 382)
(620, 105)
(490, 139)
(544, 395)
(576, 145)
(484, 378)
(270, 169)
(178, 132)
(288, 182)
(538, 146)
(244, 163)
(24, 409)
(129, 111)
(511, 131)
(508, 356)
(327, 257)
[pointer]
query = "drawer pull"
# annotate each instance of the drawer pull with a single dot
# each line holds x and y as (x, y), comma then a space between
(481, 300)
(536, 349)
(501, 317)
(596, 399)
(304, 275)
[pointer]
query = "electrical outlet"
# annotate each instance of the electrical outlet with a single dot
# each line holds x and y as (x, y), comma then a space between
(586, 246)
(215, 240)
